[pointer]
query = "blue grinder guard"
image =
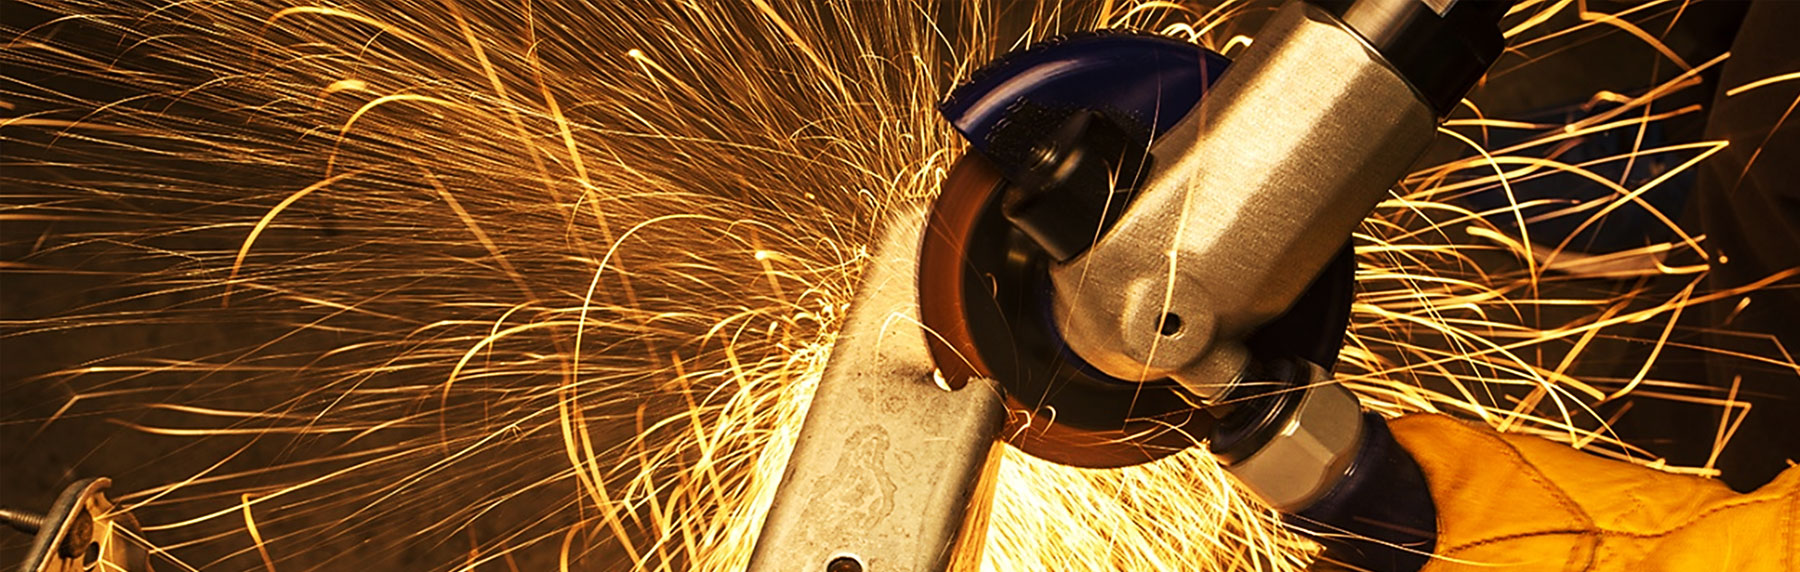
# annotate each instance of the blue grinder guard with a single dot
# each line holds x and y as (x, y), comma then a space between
(1151, 81)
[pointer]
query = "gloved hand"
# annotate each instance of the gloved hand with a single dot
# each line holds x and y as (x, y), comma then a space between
(1515, 502)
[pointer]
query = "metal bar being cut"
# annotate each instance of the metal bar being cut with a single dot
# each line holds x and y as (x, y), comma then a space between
(892, 471)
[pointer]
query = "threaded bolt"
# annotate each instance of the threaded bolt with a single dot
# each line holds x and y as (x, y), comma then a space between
(21, 521)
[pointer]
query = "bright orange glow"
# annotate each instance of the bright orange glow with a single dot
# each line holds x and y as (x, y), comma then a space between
(585, 264)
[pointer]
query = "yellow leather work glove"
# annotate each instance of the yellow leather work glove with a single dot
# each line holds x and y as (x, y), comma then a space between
(1516, 502)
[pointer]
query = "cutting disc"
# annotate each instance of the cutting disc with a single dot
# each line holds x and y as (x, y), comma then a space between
(985, 302)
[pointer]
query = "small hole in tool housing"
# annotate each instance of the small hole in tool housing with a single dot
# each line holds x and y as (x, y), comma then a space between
(1170, 325)
(844, 563)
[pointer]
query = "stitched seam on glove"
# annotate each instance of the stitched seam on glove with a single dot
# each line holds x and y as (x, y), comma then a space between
(1581, 520)
(1574, 519)
(1581, 539)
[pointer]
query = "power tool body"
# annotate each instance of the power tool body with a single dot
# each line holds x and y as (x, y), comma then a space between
(1146, 249)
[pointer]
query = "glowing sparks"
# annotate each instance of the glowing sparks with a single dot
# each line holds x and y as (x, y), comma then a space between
(524, 275)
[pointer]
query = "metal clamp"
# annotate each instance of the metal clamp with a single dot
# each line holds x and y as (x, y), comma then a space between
(83, 531)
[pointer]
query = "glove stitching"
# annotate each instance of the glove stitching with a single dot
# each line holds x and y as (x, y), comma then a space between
(1793, 536)
(1785, 527)
(1639, 511)
(1588, 533)
(1535, 474)
(1594, 533)
(1696, 518)
(1579, 536)
(1585, 538)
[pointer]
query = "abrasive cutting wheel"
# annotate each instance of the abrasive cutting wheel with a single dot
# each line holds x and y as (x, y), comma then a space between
(983, 283)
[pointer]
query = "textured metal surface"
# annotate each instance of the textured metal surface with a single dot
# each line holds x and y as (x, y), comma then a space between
(889, 470)
(86, 531)
(1301, 138)
(1310, 454)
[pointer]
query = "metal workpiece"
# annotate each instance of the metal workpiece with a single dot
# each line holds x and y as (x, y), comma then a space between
(1310, 453)
(1248, 198)
(891, 472)
(85, 531)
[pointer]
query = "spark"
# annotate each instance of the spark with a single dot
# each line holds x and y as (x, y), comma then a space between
(559, 279)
